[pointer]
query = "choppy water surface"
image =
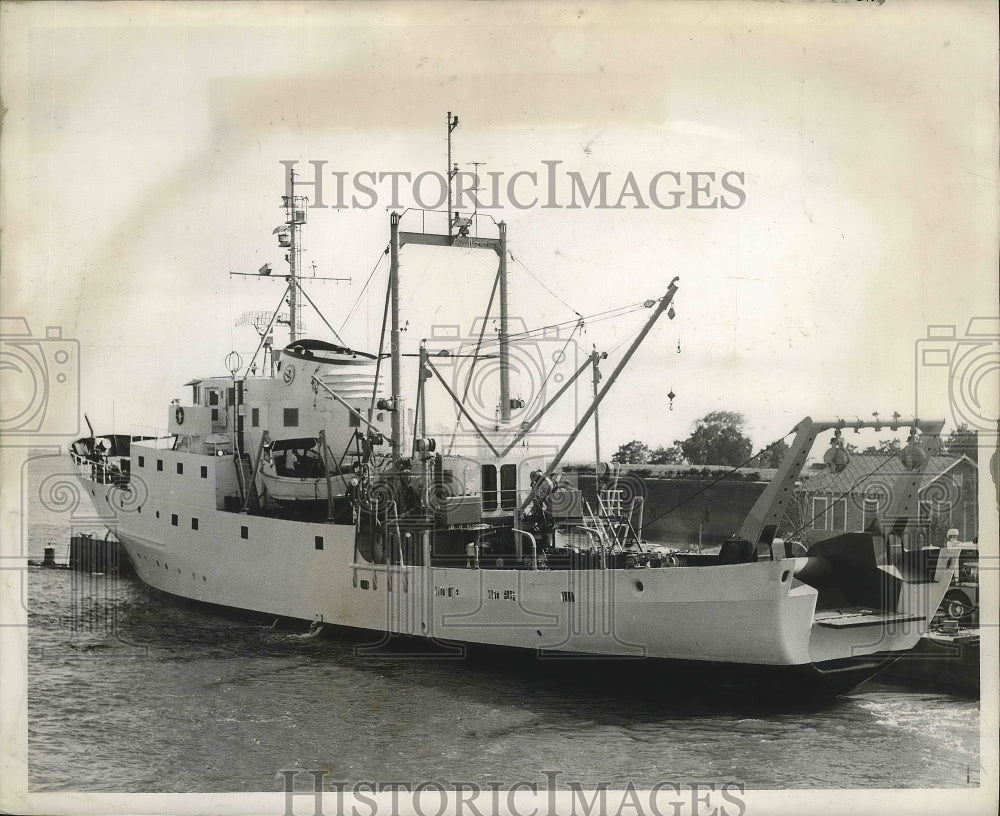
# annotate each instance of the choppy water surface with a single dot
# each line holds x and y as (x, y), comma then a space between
(131, 691)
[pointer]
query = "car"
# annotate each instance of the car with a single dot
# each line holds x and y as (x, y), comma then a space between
(961, 601)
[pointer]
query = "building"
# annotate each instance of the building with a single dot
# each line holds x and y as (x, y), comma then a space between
(829, 502)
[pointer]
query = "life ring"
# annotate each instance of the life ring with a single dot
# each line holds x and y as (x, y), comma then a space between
(179, 415)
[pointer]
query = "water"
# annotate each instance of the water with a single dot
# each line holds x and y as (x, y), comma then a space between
(130, 691)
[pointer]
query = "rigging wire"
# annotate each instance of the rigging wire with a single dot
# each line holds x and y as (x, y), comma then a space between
(475, 359)
(543, 285)
(598, 317)
(622, 343)
(562, 353)
(364, 288)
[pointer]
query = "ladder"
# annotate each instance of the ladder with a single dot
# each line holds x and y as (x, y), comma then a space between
(245, 473)
(610, 502)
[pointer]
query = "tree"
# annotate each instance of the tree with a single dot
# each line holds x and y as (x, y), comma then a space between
(963, 441)
(885, 447)
(771, 456)
(632, 453)
(718, 439)
(667, 456)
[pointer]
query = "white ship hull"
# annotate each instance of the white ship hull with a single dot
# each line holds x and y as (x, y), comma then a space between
(753, 614)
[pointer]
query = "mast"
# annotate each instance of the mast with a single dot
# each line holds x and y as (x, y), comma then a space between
(448, 239)
(452, 123)
(294, 218)
(595, 358)
(394, 347)
(504, 340)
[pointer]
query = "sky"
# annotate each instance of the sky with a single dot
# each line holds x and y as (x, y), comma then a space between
(141, 158)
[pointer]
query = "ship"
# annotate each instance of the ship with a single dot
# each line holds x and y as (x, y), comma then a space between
(302, 486)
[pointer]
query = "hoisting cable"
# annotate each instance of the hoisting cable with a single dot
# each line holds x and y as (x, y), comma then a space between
(364, 288)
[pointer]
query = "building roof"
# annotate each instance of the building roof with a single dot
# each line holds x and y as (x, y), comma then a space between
(864, 469)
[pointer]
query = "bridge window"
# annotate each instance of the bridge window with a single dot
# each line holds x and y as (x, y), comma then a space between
(489, 490)
(213, 397)
(142, 461)
(255, 417)
(180, 469)
(291, 417)
(319, 542)
(244, 531)
(204, 471)
(194, 524)
(173, 519)
(508, 487)
(159, 464)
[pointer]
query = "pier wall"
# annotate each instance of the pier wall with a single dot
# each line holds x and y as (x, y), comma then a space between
(675, 508)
